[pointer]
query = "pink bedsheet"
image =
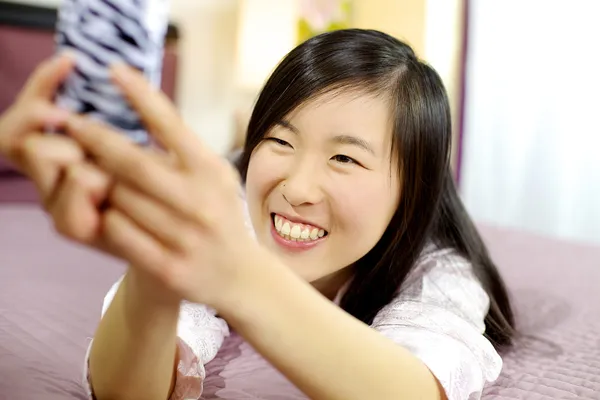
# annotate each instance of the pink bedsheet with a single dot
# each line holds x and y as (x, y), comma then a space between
(51, 293)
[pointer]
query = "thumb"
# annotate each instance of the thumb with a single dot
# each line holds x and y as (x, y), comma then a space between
(74, 205)
(48, 76)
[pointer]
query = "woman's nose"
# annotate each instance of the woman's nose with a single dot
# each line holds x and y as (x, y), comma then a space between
(302, 187)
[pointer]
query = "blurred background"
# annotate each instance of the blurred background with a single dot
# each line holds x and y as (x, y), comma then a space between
(522, 76)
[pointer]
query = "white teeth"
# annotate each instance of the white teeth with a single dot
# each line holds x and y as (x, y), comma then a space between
(305, 233)
(296, 232)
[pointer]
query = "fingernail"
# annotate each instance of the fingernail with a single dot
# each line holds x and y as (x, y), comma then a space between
(67, 53)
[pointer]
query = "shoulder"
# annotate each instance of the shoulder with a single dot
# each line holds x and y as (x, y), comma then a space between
(443, 279)
(439, 315)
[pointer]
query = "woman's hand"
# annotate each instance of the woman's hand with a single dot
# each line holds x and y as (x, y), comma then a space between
(69, 188)
(23, 125)
(181, 221)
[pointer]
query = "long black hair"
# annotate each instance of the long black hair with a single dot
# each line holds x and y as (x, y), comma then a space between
(430, 209)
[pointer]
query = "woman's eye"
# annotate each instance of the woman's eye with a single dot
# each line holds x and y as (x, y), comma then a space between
(344, 159)
(279, 141)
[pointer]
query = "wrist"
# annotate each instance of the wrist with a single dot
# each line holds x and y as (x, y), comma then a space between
(246, 283)
(145, 292)
(260, 286)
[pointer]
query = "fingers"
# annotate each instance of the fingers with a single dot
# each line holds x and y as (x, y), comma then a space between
(153, 217)
(159, 116)
(45, 157)
(32, 110)
(74, 205)
(130, 163)
(135, 245)
(20, 122)
(48, 77)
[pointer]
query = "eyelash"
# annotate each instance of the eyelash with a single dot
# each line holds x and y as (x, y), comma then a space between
(278, 141)
(337, 157)
(348, 160)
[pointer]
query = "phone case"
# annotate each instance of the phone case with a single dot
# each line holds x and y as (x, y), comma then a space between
(101, 33)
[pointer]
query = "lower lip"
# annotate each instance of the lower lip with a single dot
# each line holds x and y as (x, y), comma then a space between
(293, 245)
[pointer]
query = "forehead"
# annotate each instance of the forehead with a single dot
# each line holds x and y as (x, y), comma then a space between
(347, 112)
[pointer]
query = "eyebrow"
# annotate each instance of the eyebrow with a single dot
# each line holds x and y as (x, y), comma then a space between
(341, 139)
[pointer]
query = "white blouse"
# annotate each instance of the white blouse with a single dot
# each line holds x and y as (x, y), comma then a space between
(438, 315)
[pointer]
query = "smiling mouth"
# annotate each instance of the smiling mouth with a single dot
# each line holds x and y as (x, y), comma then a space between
(296, 232)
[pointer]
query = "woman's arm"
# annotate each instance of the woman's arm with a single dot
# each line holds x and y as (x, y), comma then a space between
(324, 351)
(133, 355)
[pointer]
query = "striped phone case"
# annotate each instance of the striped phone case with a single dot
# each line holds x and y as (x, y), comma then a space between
(103, 32)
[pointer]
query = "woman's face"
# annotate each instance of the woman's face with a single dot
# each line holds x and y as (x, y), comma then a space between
(322, 188)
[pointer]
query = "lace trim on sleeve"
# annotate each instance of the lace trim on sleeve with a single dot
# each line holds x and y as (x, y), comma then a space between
(190, 374)
(188, 381)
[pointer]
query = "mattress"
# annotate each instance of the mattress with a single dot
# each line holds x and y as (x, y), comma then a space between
(556, 290)
(51, 293)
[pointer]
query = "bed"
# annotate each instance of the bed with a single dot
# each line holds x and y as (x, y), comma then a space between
(51, 293)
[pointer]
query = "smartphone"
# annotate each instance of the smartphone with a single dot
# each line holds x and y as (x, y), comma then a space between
(100, 33)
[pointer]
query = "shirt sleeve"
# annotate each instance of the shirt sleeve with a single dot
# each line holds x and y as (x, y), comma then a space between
(439, 317)
(200, 336)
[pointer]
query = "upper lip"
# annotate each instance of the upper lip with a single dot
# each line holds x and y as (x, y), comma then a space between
(299, 220)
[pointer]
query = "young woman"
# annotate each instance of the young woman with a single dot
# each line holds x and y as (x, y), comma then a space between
(349, 264)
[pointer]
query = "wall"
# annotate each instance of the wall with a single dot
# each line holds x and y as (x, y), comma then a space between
(443, 31)
(404, 19)
(434, 28)
(206, 92)
(531, 128)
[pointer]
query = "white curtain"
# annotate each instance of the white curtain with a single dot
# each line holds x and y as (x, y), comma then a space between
(531, 146)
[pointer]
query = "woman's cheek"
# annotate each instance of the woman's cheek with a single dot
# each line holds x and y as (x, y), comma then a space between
(266, 168)
(367, 201)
